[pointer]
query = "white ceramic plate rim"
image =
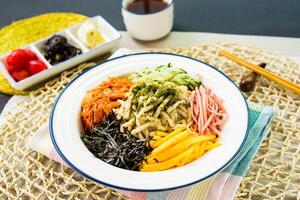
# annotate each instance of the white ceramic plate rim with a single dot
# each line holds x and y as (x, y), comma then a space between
(134, 180)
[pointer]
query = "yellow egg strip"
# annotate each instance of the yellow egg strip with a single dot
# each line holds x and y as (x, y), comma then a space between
(177, 149)
(177, 138)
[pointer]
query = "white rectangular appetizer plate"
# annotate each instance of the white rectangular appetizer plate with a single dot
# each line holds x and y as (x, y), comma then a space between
(110, 34)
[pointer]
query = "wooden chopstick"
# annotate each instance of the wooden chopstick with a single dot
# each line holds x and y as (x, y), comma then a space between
(269, 75)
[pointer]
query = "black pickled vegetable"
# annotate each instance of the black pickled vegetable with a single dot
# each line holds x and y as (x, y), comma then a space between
(57, 49)
(248, 80)
(122, 150)
(56, 40)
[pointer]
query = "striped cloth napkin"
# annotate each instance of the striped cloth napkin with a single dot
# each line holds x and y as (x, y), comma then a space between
(220, 187)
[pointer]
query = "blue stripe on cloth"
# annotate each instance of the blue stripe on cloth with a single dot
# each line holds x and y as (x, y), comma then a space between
(157, 195)
(254, 114)
(257, 134)
(242, 168)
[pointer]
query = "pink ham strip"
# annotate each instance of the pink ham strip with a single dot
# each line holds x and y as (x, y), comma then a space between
(208, 122)
(194, 111)
(208, 113)
(204, 100)
(201, 111)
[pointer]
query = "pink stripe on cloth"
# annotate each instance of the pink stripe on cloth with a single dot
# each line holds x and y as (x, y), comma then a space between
(41, 142)
(134, 195)
(41, 133)
(216, 189)
(54, 155)
(179, 194)
(231, 187)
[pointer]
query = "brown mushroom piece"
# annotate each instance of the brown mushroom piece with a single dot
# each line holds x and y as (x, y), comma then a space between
(248, 80)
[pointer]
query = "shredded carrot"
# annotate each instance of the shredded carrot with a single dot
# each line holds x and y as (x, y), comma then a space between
(99, 101)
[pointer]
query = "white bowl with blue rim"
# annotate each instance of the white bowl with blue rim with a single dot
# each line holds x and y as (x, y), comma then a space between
(66, 128)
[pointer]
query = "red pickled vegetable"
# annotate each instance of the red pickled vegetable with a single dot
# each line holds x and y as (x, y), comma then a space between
(22, 63)
(9, 68)
(20, 75)
(31, 55)
(17, 59)
(35, 66)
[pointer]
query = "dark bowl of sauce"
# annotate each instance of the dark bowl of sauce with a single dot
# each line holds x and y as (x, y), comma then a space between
(144, 7)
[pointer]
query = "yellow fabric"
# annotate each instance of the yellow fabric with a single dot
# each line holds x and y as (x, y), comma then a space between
(23, 32)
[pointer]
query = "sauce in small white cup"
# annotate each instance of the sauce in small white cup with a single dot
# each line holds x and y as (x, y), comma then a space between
(148, 27)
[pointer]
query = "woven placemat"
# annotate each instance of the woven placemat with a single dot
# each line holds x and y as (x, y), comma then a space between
(274, 173)
(23, 32)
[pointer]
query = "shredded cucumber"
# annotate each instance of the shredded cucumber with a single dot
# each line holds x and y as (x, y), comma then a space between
(165, 73)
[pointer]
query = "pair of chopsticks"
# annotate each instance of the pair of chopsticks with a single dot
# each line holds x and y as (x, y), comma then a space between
(266, 73)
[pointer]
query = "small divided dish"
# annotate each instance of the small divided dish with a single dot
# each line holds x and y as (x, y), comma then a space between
(111, 39)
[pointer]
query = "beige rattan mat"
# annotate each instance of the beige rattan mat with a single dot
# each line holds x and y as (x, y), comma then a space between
(274, 173)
